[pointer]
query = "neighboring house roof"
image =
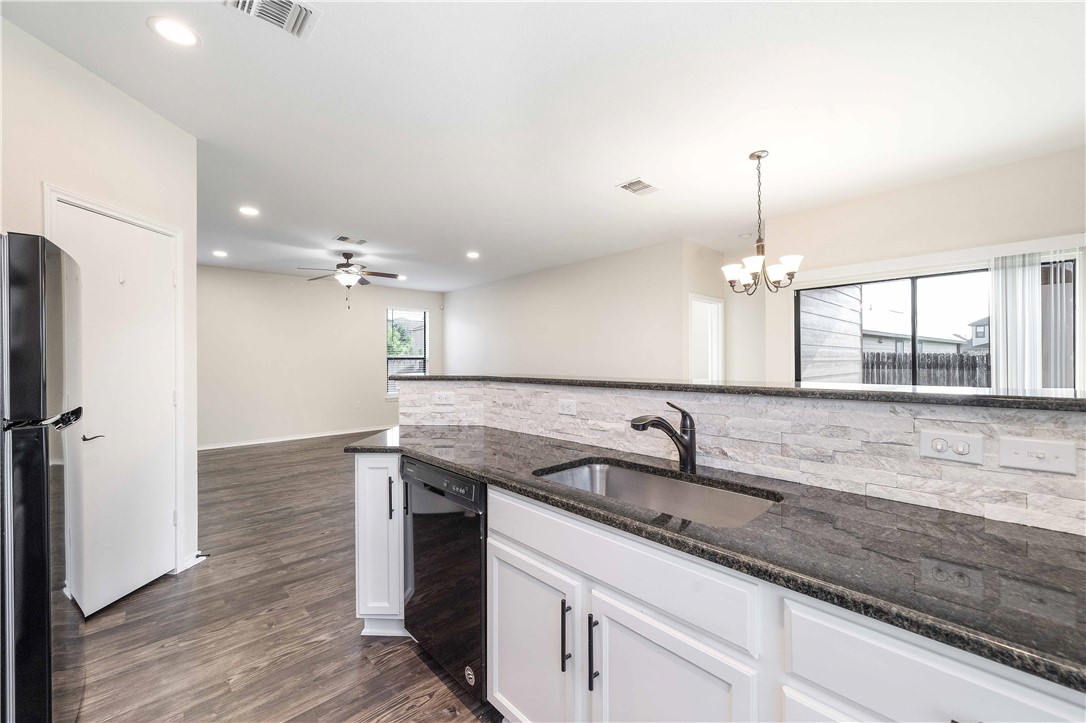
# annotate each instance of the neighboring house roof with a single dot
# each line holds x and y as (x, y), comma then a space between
(980, 322)
(870, 333)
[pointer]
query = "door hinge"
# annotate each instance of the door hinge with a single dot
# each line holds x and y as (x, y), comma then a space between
(173, 277)
(175, 397)
(175, 518)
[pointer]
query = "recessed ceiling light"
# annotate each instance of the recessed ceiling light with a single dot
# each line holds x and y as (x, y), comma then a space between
(473, 254)
(401, 277)
(220, 254)
(249, 211)
(174, 30)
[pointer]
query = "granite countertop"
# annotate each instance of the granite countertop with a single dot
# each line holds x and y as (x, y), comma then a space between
(1010, 593)
(1046, 400)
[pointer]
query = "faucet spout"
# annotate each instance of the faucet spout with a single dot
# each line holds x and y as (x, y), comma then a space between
(685, 440)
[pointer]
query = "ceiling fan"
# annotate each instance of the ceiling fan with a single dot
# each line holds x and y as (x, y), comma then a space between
(349, 274)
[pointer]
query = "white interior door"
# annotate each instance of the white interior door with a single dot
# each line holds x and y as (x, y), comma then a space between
(126, 470)
(706, 339)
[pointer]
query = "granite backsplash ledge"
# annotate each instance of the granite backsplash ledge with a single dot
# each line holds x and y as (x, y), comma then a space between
(862, 447)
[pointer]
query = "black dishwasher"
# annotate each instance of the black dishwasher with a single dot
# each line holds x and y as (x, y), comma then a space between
(446, 570)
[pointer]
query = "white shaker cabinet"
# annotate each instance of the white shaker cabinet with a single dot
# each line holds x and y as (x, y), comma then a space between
(646, 670)
(379, 543)
(533, 631)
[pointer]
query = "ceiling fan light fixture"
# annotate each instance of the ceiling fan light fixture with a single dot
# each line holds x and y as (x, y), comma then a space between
(347, 278)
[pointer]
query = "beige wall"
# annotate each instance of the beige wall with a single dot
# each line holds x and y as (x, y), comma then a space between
(66, 126)
(616, 316)
(945, 225)
(1031, 199)
(282, 357)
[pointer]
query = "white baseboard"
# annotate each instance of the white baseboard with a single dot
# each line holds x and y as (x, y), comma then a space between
(291, 438)
(387, 627)
(189, 562)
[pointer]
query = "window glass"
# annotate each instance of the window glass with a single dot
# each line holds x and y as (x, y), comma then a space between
(405, 331)
(952, 330)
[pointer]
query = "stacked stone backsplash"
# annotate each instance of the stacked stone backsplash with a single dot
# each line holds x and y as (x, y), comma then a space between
(862, 447)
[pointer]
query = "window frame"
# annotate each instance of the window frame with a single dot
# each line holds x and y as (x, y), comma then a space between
(914, 360)
(390, 313)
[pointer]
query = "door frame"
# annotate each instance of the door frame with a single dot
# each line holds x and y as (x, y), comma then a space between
(52, 195)
(719, 303)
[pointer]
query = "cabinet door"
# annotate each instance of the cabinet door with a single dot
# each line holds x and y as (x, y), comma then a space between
(531, 605)
(379, 535)
(646, 670)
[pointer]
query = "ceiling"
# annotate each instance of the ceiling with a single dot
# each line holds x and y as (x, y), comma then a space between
(435, 129)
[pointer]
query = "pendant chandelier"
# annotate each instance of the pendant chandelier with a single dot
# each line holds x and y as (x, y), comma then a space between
(745, 278)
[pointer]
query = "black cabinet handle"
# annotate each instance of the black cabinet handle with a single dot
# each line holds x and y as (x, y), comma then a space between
(565, 656)
(406, 500)
(592, 673)
(390, 498)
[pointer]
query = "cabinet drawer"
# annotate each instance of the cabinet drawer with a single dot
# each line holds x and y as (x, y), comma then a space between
(905, 681)
(718, 602)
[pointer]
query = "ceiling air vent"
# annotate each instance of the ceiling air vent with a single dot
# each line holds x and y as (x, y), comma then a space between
(345, 239)
(638, 187)
(296, 18)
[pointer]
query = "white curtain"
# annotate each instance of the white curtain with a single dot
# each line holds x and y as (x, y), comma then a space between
(1032, 324)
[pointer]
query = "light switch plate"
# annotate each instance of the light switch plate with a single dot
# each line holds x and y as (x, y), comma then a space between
(1043, 455)
(567, 407)
(444, 398)
(952, 446)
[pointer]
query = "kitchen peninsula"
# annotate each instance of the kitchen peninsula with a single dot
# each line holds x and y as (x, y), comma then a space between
(857, 587)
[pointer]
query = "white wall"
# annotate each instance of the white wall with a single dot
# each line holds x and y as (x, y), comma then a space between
(919, 229)
(617, 316)
(281, 357)
(66, 126)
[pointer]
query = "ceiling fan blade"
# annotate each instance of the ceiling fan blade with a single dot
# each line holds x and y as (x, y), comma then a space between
(310, 268)
(361, 281)
(320, 277)
(382, 274)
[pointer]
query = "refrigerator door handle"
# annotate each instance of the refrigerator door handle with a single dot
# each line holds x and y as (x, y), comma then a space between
(58, 421)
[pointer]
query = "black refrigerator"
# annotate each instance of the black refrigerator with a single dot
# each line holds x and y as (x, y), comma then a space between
(42, 664)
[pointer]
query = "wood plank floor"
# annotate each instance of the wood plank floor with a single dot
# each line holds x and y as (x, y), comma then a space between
(263, 630)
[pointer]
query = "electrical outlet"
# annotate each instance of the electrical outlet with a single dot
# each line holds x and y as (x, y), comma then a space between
(943, 577)
(444, 398)
(952, 446)
(567, 407)
(1044, 455)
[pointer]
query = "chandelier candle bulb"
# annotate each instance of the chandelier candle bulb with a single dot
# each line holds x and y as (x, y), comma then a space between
(775, 273)
(732, 271)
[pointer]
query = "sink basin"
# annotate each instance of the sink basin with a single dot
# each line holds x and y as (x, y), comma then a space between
(697, 503)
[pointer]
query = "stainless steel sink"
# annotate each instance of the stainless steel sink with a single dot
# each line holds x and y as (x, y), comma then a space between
(686, 500)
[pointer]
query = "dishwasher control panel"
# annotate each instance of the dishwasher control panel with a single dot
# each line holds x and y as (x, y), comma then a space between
(440, 480)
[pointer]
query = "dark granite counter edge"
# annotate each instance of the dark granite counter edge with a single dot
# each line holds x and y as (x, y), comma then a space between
(1052, 668)
(1050, 404)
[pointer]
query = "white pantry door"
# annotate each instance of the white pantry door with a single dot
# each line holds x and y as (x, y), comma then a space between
(127, 481)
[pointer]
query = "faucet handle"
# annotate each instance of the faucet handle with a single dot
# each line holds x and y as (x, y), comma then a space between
(687, 418)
